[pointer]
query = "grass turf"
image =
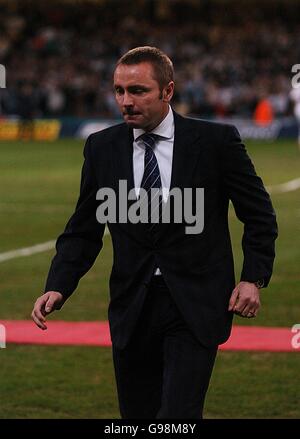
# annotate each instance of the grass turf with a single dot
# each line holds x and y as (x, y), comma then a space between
(39, 187)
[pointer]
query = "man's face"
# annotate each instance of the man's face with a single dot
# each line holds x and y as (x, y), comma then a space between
(139, 97)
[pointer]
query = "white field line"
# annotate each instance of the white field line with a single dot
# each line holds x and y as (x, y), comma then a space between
(28, 251)
(289, 186)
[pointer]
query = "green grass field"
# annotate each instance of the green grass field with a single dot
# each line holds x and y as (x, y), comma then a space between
(38, 190)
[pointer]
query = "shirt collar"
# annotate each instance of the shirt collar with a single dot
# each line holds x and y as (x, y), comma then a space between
(165, 129)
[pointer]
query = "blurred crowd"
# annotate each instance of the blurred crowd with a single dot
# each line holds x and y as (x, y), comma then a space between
(59, 59)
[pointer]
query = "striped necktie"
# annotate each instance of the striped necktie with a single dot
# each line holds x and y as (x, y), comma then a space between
(151, 178)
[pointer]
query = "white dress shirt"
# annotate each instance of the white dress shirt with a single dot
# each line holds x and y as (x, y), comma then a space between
(164, 155)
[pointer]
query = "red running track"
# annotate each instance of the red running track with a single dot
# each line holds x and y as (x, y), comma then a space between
(243, 338)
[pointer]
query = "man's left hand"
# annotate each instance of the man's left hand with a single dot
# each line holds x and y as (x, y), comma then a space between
(244, 300)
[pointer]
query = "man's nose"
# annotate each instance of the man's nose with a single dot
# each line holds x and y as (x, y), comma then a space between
(127, 100)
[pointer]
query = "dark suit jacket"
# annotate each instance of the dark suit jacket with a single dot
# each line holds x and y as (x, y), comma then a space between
(198, 269)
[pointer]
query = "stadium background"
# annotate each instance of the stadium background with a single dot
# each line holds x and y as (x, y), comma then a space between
(233, 62)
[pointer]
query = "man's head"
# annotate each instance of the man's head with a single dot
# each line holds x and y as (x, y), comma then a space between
(143, 82)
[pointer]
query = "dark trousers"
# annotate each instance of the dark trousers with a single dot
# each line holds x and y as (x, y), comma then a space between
(164, 371)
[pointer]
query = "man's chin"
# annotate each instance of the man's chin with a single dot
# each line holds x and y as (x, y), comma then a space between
(133, 121)
(133, 124)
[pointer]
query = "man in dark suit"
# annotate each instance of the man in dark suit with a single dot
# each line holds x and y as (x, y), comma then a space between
(173, 293)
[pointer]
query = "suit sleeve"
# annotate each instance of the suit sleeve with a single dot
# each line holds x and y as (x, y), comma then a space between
(80, 243)
(252, 206)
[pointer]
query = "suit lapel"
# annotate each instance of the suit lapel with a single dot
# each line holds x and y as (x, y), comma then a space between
(123, 157)
(185, 157)
(122, 153)
(186, 153)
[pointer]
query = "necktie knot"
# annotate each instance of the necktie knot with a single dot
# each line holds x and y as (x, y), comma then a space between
(149, 139)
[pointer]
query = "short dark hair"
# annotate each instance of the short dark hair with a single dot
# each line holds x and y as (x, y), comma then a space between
(161, 63)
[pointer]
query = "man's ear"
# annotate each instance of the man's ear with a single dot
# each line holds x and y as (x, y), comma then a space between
(167, 92)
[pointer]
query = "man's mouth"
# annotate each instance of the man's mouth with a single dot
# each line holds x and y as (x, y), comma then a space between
(130, 114)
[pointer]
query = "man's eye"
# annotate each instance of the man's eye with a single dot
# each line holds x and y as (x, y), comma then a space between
(118, 91)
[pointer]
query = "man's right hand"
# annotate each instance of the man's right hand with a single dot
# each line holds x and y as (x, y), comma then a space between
(44, 305)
